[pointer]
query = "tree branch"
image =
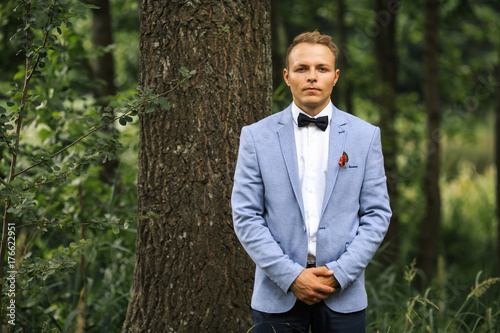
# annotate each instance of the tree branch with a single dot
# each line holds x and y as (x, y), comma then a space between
(74, 142)
(27, 79)
(57, 178)
(100, 127)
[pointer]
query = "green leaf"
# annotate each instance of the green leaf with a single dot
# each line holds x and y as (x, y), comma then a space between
(14, 211)
(89, 6)
(150, 108)
(152, 214)
(164, 104)
(116, 229)
(47, 273)
(185, 72)
(122, 121)
(85, 241)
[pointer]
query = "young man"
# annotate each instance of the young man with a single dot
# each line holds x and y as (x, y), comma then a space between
(310, 202)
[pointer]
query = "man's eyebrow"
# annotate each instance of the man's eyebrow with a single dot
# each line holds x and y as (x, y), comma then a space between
(316, 65)
(302, 65)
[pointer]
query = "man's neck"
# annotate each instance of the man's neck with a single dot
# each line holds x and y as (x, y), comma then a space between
(312, 112)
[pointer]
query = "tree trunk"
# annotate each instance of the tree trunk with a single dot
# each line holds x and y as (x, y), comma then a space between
(103, 72)
(345, 84)
(104, 75)
(191, 274)
(387, 72)
(430, 226)
(279, 43)
(102, 36)
(497, 156)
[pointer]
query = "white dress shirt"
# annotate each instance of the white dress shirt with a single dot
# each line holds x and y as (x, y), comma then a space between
(312, 154)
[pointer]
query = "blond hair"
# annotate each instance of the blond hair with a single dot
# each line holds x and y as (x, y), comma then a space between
(314, 38)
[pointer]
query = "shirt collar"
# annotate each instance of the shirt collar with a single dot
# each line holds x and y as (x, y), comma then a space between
(327, 111)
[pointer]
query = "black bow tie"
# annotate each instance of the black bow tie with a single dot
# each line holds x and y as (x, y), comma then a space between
(321, 122)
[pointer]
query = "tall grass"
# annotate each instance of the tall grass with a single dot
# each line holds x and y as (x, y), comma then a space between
(463, 294)
(396, 305)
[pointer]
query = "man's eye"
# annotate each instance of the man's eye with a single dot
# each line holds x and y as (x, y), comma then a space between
(300, 69)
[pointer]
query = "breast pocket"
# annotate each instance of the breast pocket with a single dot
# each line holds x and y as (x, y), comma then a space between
(352, 165)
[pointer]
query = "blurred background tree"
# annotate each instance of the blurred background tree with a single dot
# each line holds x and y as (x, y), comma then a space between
(382, 80)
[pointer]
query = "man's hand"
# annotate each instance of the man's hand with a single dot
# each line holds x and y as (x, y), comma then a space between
(329, 281)
(314, 285)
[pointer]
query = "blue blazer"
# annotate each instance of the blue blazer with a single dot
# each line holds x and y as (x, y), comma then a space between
(268, 212)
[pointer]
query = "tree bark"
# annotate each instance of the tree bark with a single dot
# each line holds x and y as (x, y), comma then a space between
(387, 72)
(430, 227)
(191, 274)
(497, 157)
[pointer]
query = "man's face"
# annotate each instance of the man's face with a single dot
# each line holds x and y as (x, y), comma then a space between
(311, 76)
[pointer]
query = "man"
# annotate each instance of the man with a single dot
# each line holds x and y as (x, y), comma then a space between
(310, 202)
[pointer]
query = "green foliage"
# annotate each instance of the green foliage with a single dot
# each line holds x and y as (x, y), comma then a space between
(75, 234)
(395, 306)
(469, 209)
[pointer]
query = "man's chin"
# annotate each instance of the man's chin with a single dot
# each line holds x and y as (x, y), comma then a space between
(312, 109)
(314, 103)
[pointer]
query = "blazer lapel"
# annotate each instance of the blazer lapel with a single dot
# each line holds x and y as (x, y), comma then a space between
(335, 151)
(287, 141)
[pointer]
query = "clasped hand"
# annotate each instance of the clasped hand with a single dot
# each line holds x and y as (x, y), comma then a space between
(314, 285)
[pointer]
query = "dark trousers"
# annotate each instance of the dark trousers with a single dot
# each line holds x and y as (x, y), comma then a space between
(302, 317)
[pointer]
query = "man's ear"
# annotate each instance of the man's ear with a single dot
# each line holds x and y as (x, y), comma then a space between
(285, 76)
(337, 74)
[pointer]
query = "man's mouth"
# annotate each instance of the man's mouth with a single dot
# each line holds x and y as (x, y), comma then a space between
(311, 89)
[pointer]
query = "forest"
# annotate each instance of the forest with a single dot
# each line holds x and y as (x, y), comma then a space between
(120, 123)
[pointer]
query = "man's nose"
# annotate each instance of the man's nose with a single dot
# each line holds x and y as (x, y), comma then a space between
(312, 76)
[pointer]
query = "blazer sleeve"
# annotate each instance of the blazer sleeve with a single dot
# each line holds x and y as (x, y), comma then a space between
(248, 207)
(374, 216)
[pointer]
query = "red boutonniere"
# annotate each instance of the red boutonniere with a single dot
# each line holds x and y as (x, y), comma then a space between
(343, 160)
